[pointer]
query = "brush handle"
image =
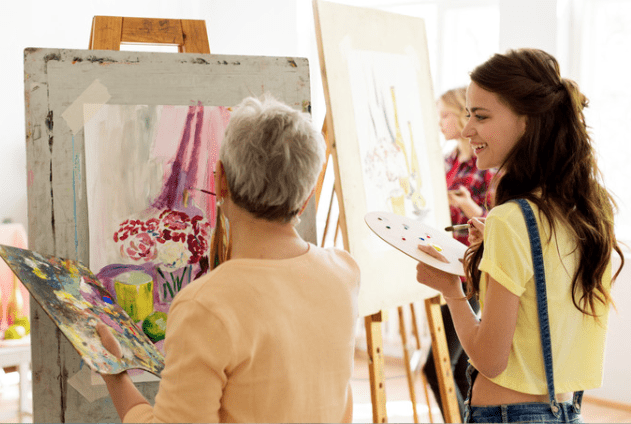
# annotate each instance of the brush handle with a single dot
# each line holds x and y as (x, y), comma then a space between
(458, 227)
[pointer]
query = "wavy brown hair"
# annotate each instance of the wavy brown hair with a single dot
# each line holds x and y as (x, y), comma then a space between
(553, 165)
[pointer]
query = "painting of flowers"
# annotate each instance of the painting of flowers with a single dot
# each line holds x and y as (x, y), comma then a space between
(150, 224)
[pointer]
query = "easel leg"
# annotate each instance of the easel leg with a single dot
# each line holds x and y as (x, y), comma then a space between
(328, 219)
(374, 343)
(451, 411)
(415, 362)
(406, 360)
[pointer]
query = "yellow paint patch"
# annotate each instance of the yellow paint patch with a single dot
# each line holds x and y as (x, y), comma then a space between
(39, 273)
(437, 247)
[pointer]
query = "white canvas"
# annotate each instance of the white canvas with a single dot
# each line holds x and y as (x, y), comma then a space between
(363, 53)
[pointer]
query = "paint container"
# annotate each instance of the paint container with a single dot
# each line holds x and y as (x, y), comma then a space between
(397, 201)
(134, 293)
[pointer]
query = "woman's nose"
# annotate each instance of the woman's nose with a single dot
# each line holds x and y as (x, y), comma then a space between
(467, 131)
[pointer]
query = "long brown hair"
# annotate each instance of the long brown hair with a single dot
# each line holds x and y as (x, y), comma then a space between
(553, 165)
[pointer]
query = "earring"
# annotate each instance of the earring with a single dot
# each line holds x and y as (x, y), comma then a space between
(219, 202)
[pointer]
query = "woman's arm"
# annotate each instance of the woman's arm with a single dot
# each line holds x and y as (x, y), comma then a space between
(124, 393)
(348, 414)
(487, 342)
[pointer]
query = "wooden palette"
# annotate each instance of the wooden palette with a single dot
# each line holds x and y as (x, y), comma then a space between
(406, 234)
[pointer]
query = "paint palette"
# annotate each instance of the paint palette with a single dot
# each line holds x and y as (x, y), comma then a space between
(75, 300)
(406, 235)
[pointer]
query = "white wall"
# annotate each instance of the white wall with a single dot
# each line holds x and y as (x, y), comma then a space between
(617, 373)
(531, 23)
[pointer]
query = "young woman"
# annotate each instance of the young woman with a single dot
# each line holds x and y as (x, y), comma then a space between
(467, 186)
(469, 197)
(267, 336)
(528, 121)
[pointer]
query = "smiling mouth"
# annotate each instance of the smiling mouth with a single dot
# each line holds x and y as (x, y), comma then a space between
(478, 147)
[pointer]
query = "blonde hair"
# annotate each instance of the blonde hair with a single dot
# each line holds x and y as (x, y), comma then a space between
(455, 100)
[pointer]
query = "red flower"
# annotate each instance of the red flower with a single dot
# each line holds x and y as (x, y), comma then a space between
(142, 240)
(174, 220)
(140, 247)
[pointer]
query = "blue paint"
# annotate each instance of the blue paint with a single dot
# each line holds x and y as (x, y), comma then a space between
(108, 299)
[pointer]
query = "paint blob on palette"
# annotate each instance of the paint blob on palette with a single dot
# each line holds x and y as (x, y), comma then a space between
(406, 235)
(75, 300)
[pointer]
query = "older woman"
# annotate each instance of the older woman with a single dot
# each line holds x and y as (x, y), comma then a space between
(267, 336)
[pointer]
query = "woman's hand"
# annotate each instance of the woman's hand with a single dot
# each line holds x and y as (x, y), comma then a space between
(448, 285)
(476, 230)
(461, 198)
(109, 341)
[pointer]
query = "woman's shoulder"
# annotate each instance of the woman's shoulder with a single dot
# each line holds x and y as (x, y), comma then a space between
(505, 211)
(335, 256)
(508, 216)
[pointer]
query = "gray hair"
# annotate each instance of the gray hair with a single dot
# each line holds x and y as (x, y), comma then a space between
(272, 156)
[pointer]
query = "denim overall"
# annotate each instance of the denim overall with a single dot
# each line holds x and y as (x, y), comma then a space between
(553, 412)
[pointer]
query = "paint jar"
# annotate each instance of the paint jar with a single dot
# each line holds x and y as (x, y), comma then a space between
(404, 182)
(134, 293)
(397, 201)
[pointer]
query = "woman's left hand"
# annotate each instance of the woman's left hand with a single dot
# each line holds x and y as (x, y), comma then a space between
(109, 341)
(459, 196)
(448, 285)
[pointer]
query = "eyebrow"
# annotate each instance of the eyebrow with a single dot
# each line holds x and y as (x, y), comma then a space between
(474, 109)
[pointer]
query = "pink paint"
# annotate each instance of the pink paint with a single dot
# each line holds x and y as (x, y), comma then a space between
(189, 140)
(109, 321)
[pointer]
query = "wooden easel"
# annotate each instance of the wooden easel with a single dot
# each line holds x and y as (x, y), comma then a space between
(109, 32)
(56, 160)
(373, 322)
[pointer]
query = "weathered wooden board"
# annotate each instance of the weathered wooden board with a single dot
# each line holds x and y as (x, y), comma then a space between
(57, 199)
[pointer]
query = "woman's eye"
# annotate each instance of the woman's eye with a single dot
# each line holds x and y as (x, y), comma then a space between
(480, 117)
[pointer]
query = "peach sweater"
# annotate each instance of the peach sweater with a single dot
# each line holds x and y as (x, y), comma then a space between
(261, 341)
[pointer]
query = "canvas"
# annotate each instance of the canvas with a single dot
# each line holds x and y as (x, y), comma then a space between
(153, 236)
(385, 126)
(75, 300)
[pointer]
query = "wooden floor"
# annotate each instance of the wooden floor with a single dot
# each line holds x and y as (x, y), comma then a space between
(399, 407)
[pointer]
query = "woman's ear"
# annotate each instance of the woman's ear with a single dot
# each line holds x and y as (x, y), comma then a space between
(304, 206)
(221, 182)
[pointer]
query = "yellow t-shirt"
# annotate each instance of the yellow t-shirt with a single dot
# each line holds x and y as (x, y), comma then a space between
(578, 340)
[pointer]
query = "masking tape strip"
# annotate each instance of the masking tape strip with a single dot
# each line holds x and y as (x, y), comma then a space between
(96, 95)
(92, 387)
(82, 383)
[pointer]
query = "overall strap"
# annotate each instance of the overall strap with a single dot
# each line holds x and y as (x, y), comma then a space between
(542, 299)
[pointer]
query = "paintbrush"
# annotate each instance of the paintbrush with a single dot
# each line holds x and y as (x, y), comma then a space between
(187, 195)
(458, 227)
